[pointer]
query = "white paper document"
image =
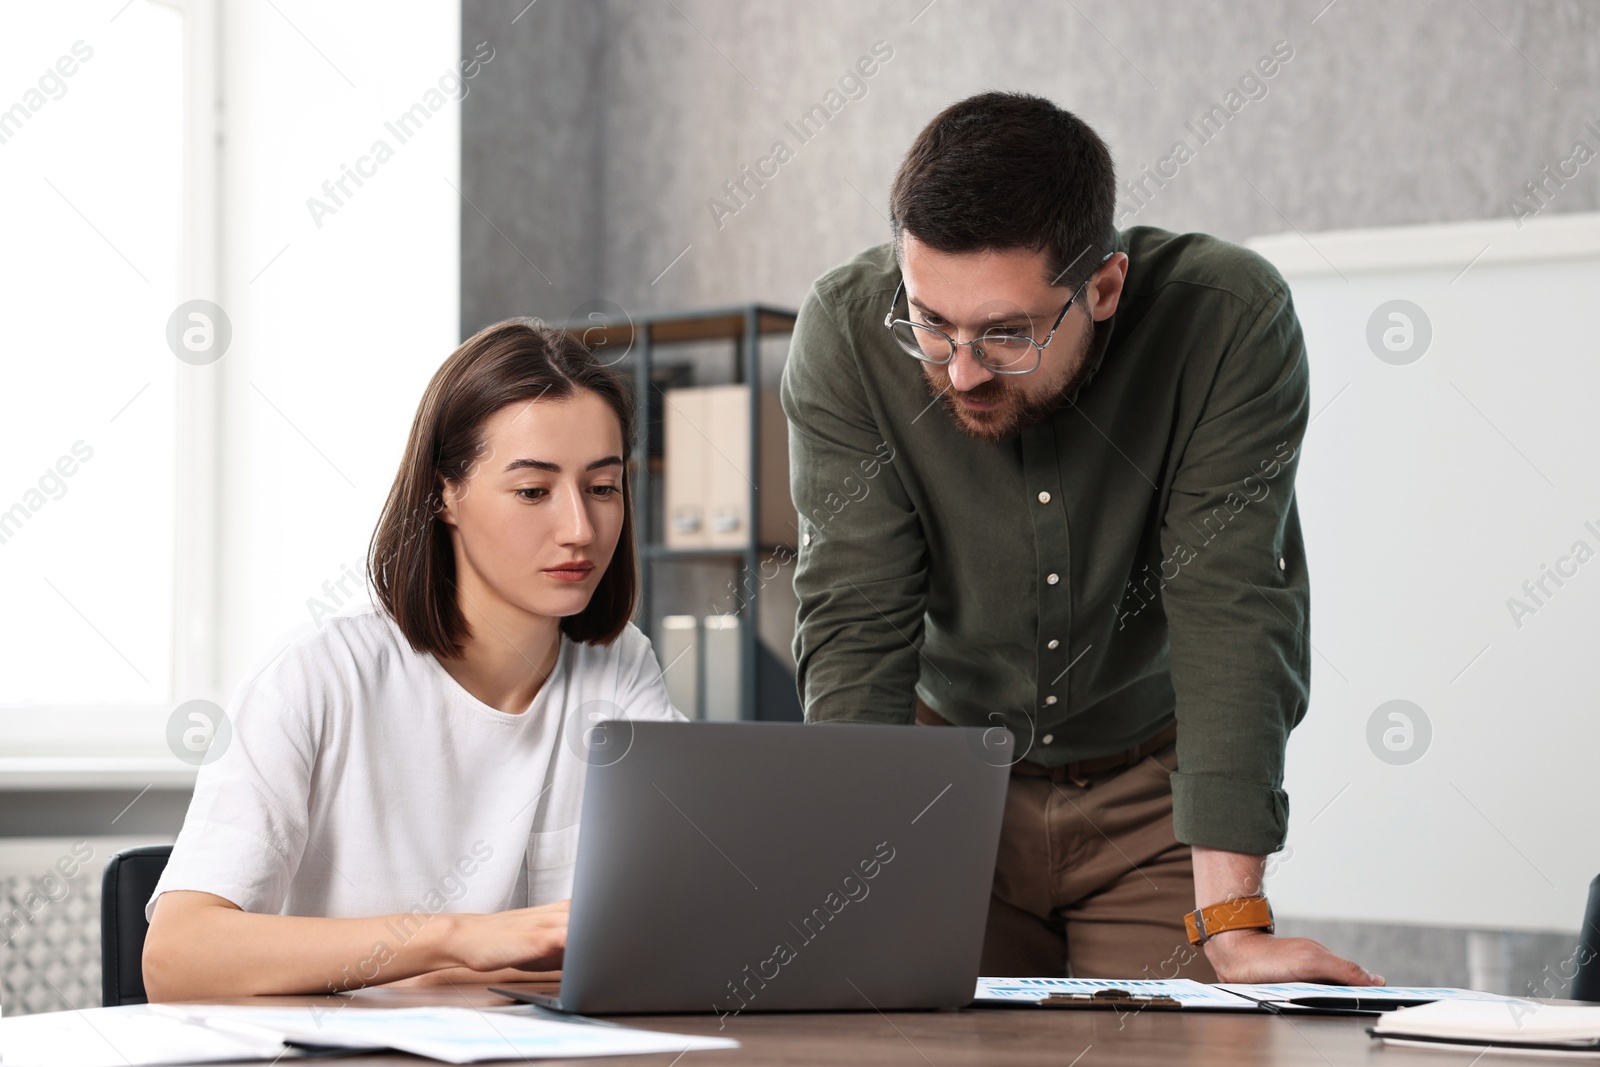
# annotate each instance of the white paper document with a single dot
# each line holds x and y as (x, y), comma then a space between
(121, 1037)
(454, 1035)
(176, 1034)
(1139, 992)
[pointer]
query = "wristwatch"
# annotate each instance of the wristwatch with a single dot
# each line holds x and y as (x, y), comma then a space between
(1240, 913)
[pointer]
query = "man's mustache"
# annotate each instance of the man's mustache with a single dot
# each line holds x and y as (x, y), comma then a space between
(987, 393)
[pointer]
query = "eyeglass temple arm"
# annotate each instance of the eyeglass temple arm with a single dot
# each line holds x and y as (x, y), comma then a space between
(888, 316)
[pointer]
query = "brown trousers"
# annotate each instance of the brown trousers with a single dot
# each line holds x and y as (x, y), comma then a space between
(1090, 881)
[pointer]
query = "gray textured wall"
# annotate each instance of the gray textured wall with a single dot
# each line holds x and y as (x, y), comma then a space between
(612, 123)
(531, 160)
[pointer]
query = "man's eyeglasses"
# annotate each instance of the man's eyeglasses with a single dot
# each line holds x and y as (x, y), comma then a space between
(1001, 349)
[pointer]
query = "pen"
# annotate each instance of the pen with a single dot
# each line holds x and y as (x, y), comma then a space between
(1109, 997)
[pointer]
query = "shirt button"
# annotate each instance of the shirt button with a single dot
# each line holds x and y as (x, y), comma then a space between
(1054, 644)
(1044, 498)
(1052, 578)
(1050, 700)
(1282, 566)
(1047, 738)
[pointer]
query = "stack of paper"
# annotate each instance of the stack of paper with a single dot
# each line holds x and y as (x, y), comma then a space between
(173, 1034)
(1551, 1030)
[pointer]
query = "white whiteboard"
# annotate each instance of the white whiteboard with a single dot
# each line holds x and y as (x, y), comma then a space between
(1430, 492)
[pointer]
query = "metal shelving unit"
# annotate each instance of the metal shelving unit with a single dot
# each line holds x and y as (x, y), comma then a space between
(640, 336)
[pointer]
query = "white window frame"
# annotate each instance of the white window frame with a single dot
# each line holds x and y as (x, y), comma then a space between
(196, 602)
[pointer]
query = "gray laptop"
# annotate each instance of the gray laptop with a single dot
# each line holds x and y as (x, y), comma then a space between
(743, 867)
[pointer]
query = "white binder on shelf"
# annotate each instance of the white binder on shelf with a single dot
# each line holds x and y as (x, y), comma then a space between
(723, 679)
(679, 652)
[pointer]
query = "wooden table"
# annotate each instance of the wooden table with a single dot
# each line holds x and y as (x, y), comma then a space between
(1060, 1038)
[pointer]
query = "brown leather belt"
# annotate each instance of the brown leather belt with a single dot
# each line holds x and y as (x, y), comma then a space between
(1078, 771)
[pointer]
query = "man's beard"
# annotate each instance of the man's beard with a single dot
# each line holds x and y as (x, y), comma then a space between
(1015, 411)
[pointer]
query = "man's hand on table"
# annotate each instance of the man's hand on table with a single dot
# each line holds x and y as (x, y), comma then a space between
(1257, 956)
(1253, 955)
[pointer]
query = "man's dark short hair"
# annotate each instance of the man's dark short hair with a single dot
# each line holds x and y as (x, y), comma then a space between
(1001, 171)
(411, 561)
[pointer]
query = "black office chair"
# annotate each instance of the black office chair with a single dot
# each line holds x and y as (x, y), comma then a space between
(1586, 960)
(130, 878)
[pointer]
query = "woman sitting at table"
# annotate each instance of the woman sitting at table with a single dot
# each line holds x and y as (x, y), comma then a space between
(401, 791)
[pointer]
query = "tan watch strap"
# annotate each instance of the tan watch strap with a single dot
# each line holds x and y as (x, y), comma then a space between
(1241, 913)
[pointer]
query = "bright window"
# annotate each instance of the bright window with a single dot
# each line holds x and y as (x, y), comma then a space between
(91, 168)
(163, 522)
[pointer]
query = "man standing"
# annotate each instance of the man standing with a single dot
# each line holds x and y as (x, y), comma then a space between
(1045, 477)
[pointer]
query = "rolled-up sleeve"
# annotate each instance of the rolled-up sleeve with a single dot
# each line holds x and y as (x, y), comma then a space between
(1238, 597)
(861, 574)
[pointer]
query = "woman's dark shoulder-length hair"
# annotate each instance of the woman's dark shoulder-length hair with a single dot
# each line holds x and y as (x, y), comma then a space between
(411, 561)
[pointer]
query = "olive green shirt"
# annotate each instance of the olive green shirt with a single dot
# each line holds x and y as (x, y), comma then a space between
(1135, 558)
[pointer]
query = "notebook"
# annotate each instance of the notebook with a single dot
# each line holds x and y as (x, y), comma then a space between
(1509, 1025)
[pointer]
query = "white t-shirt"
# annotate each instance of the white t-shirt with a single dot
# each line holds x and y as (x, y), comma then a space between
(361, 778)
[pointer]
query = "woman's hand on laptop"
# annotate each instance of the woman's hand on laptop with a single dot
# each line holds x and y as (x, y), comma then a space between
(203, 945)
(527, 939)
(467, 976)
